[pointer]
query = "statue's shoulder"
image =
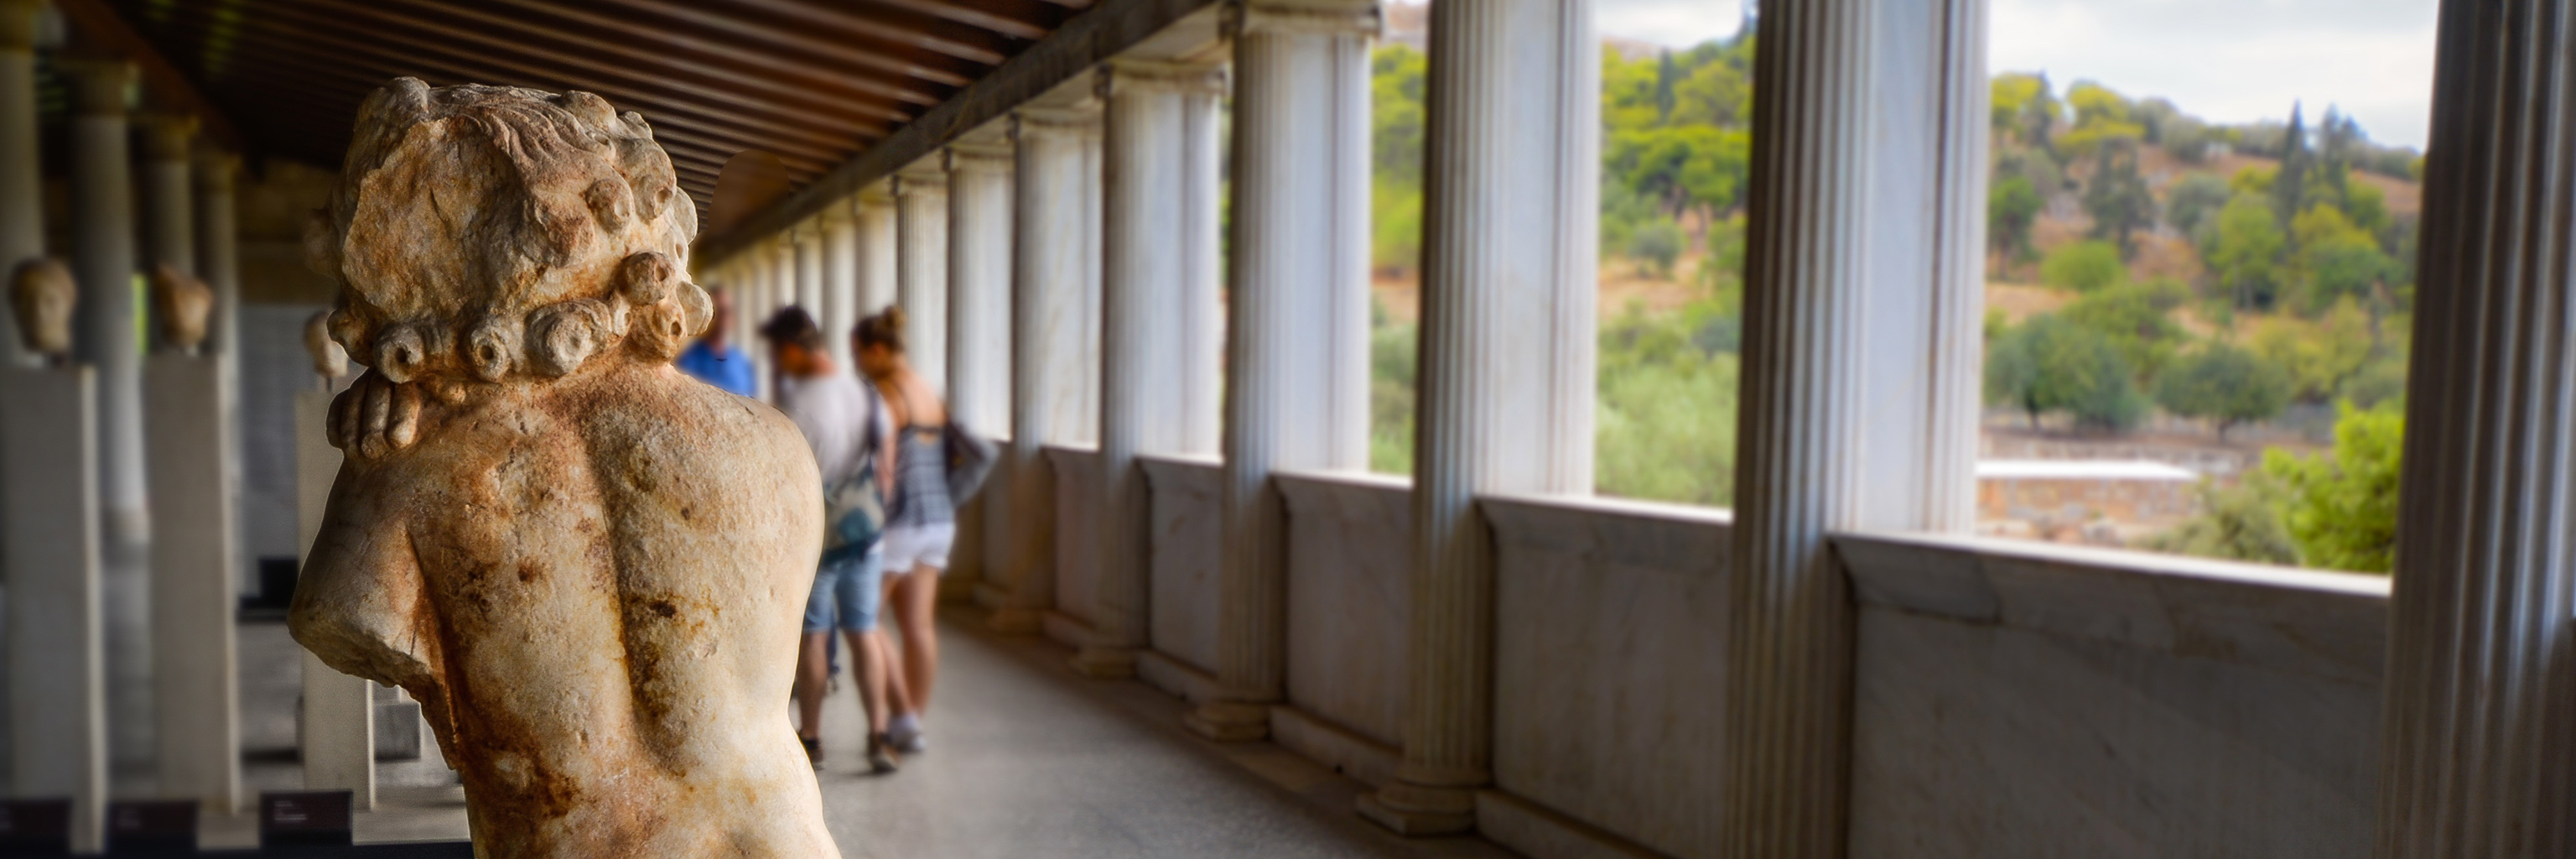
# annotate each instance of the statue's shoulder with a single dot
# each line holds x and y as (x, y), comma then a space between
(673, 408)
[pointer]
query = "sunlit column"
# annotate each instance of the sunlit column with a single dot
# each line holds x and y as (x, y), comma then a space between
(877, 268)
(1297, 338)
(1201, 336)
(808, 239)
(2477, 756)
(921, 268)
(1506, 389)
(840, 310)
(1144, 228)
(979, 285)
(1050, 369)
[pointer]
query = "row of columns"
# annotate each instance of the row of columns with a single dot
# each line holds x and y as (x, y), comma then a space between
(1864, 301)
(122, 463)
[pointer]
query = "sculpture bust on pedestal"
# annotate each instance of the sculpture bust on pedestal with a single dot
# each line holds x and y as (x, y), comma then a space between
(180, 305)
(589, 568)
(42, 293)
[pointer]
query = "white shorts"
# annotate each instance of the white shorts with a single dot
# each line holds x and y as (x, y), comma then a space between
(909, 546)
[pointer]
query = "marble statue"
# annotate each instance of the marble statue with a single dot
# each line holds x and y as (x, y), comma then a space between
(329, 360)
(588, 568)
(180, 305)
(42, 292)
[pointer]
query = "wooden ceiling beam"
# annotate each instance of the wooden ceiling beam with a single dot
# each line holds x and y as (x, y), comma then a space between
(838, 57)
(975, 46)
(103, 27)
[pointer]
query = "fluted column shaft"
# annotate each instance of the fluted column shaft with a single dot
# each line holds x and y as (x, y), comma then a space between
(979, 285)
(877, 269)
(22, 193)
(1790, 617)
(1049, 369)
(168, 182)
(809, 269)
(219, 251)
(1297, 335)
(840, 310)
(2479, 749)
(1200, 361)
(1506, 387)
(1143, 273)
(921, 269)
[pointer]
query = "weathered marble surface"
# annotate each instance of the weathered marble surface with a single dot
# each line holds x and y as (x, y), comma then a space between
(1350, 594)
(1609, 664)
(1077, 530)
(1187, 537)
(2031, 700)
(588, 568)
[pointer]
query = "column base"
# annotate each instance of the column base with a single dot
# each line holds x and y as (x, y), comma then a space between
(1015, 621)
(1415, 811)
(1229, 721)
(1105, 663)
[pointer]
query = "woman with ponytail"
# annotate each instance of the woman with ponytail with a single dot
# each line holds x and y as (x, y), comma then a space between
(922, 525)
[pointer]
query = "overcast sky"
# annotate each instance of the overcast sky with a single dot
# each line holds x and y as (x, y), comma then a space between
(2224, 60)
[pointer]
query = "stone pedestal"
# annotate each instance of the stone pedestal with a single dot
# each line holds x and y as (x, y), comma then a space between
(336, 721)
(1297, 346)
(194, 682)
(1509, 279)
(49, 556)
(2478, 756)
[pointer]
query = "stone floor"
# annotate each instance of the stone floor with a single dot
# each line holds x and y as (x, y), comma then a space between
(1027, 759)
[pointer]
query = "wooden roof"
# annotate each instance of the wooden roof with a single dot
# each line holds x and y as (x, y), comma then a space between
(813, 81)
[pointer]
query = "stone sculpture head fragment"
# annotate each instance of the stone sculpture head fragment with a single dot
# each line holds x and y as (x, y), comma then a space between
(42, 293)
(180, 305)
(329, 360)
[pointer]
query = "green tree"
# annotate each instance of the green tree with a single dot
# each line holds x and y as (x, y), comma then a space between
(2320, 354)
(2225, 385)
(1394, 354)
(2118, 198)
(2102, 118)
(2337, 259)
(1396, 128)
(1665, 428)
(2084, 266)
(2241, 523)
(2011, 208)
(2289, 187)
(2047, 364)
(2135, 320)
(2244, 252)
(2341, 508)
(2192, 200)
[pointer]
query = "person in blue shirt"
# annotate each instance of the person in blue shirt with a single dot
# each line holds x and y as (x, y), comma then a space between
(714, 361)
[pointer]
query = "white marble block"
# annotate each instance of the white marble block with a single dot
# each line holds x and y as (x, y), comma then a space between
(195, 690)
(338, 736)
(49, 531)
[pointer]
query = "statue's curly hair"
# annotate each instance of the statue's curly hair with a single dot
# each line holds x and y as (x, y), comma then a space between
(485, 231)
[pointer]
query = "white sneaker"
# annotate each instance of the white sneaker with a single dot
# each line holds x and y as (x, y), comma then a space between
(907, 737)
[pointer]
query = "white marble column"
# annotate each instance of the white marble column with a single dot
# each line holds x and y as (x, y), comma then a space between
(1297, 347)
(103, 259)
(1049, 369)
(1201, 338)
(337, 729)
(2478, 752)
(878, 270)
(921, 268)
(808, 239)
(49, 552)
(22, 193)
(840, 280)
(979, 286)
(1506, 385)
(169, 217)
(1143, 274)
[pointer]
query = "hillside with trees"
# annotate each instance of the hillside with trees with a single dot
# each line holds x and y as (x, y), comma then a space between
(2154, 279)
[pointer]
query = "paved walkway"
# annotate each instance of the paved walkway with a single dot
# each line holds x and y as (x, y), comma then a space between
(1027, 759)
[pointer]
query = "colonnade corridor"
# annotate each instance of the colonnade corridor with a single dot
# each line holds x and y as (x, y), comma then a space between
(1031, 759)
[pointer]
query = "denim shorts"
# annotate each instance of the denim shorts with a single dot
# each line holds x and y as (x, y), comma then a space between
(851, 589)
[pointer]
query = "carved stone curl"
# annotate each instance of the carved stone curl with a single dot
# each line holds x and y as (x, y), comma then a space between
(589, 568)
(329, 360)
(43, 293)
(180, 304)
